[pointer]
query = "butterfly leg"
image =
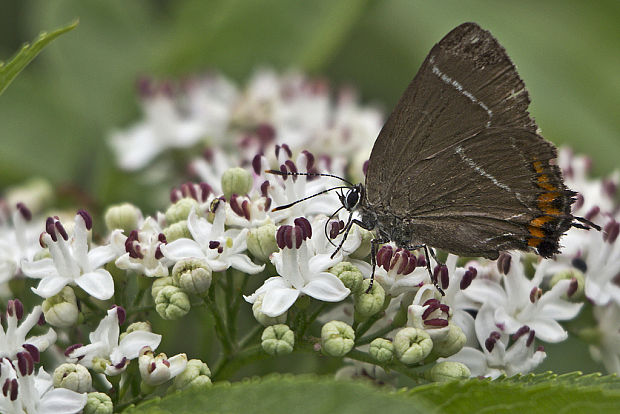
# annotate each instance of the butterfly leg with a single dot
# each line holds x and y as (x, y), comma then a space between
(373, 259)
(428, 267)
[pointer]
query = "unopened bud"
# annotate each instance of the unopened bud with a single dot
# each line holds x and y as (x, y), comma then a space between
(412, 345)
(449, 371)
(451, 343)
(263, 319)
(382, 350)
(74, 377)
(124, 216)
(193, 275)
(278, 340)
(337, 338)
(172, 303)
(178, 230)
(180, 210)
(349, 275)
(236, 180)
(368, 304)
(262, 241)
(575, 289)
(98, 403)
(197, 376)
(159, 284)
(364, 250)
(61, 309)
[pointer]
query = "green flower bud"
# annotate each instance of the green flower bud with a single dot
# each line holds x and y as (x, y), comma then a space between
(451, 343)
(61, 309)
(42, 254)
(196, 376)
(337, 338)
(262, 241)
(176, 231)
(172, 303)
(124, 216)
(349, 275)
(364, 250)
(577, 287)
(236, 180)
(412, 345)
(99, 364)
(136, 326)
(98, 403)
(159, 284)
(264, 319)
(180, 210)
(278, 340)
(74, 377)
(382, 350)
(193, 275)
(448, 371)
(367, 304)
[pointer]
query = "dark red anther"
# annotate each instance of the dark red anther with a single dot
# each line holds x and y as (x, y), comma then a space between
(429, 309)
(384, 256)
(158, 253)
(234, 205)
(41, 241)
(297, 234)
(15, 308)
(431, 302)
(162, 238)
(205, 190)
(50, 228)
(578, 202)
(286, 148)
(288, 236)
(444, 308)
(520, 332)
(503, 263)
(72, 348)
(33, 351)
(152, 367)
(191, 190)
(265, 133)
(403, 262)
(61, 230)
(445, 277)
(334, 230)
(120, 313)
(572, 287)
(592, 213)
(305, 225)
(166, 363)
(540, 348)
(610, 231)
(121, 364)
(220, 249)
(207, 154)
(25, 363)
(411, 264)
(495, 335)
(610, 187)
(489, 344)
(309, 160)
(41, 320)
(530, 338)
(280, 234)
(291, 167)
(284, 172)
(174, 195)
(10, 389)
(267, 203)
(264, 188)
(245, 207)
(535, 294)
(257, 164)
(24, 211)
(437, 322)
(214, 244)
(88, 220)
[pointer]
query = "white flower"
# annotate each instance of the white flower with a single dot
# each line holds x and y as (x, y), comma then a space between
(497, 356)
(17, 242)
(325, 240)
(220, 248)
(398, 272)
(157, 369)
(607, 348)
(519, 301)
(299, 273)
(72, 262)
(603, 266)
(143, 254)
(13, 339)
(26, 393)
(105, 352)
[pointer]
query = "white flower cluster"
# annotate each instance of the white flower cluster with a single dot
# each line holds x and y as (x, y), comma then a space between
(263, 208)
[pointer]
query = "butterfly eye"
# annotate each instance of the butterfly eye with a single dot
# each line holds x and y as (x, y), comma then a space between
(352, 199)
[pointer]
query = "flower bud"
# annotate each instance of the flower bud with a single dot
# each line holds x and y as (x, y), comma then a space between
(367, 304)
(349, 275)
(263, 319)
(99, 364)
(575, 291)
(412, 345)
(236, 180)
(159, 284)
(278, 340)
(450, 344)
(382, 350)
(178, 230)
(364, 250)
(36, 193)
(61, 309)
(136, 326)
(337, 338)
(74, 377)
(180, 210)
(193, 275)
(157, 369)
(196, 376)
(124, 216)
(262, 241)
(172, 303)
(448, 371)
(98, 403)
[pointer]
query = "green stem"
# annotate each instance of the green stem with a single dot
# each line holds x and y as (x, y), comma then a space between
(227, 366)
(254, 332)
(367, 324)
(413, 373)
(220, 326)
(369, 338)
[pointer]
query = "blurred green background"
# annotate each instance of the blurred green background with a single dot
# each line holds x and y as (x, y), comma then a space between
(55, 117)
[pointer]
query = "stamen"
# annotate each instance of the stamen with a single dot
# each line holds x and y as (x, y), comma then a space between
(88, 220)
(24, 211)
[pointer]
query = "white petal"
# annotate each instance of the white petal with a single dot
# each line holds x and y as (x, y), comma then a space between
(133, 342)
(473, 358)
(62, 401)
(279, 300)
(275, 282)
(98, 284)
(199, 228)
(42, 342)
(177, 364)
(322, 262)
(101, 255)
(181, 249)
(548, 330)
(243, 263)
(486, 291)
(39, 268)
(326, 287)
(51, 285)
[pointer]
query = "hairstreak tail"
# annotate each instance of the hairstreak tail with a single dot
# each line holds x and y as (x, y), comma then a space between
(459, 164)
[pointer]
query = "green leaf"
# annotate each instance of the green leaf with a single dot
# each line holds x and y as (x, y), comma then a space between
(540, 393)
(28, 52)
(286, 394)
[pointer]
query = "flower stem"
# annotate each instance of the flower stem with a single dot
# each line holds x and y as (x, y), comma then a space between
(220, 326)
(369, 338)
(363, 327)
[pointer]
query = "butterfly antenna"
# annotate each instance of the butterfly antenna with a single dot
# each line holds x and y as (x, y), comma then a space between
(285, 206)
(327, 223)
(587, 224)
(287, 173)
